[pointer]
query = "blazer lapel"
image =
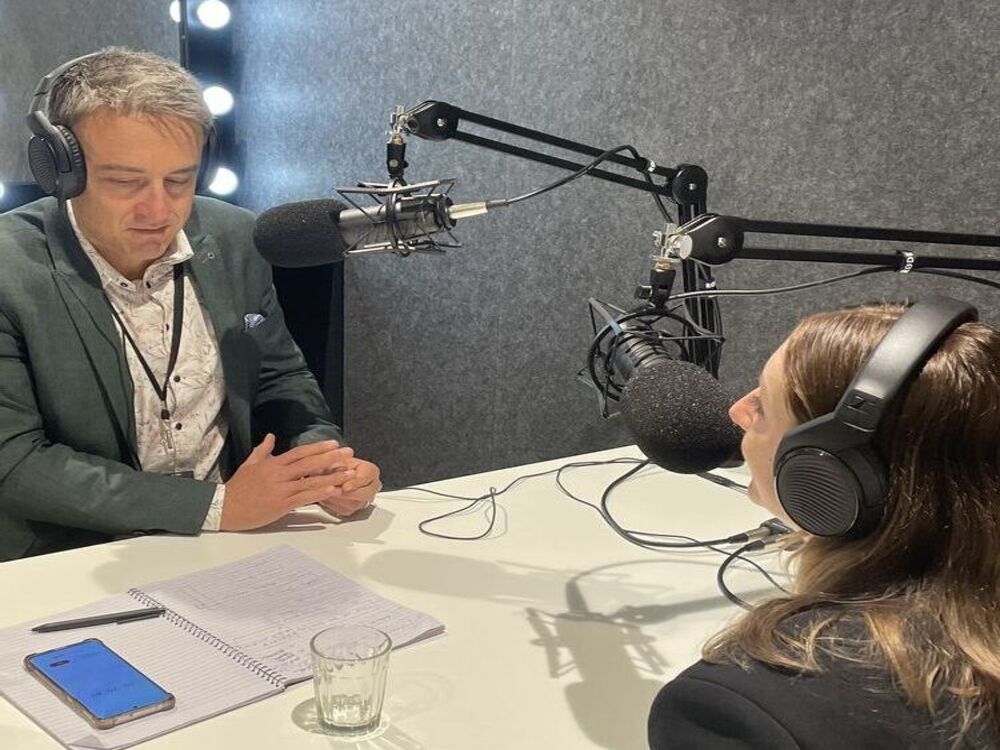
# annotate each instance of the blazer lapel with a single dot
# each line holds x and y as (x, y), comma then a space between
(215, 285)
(80, 288)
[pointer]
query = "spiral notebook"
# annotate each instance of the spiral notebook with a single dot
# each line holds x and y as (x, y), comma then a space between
(231, 635)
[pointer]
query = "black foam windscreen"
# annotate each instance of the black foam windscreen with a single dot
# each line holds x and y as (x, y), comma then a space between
(299, 235)
(678, 415)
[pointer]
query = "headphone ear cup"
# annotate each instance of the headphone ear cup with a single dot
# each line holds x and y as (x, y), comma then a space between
(818, 491)
(49, 150)
(206, 171)
(73, 181)
(827, 495)
(42, 162)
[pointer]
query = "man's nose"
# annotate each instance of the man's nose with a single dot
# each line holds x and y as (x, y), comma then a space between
(156, 206)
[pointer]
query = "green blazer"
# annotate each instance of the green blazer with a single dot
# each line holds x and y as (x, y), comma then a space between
(67, 427)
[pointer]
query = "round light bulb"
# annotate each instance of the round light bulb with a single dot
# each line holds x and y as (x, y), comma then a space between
(218, 99)
(213, 13)
(224, 182)
(175, 11)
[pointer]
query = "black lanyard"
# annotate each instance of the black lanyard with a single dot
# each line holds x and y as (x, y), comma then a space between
(175, 341)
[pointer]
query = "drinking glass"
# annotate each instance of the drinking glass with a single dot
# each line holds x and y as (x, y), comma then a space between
(350, 663)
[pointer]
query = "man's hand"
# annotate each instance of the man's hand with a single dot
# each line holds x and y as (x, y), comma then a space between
(266, 487)
(359, 489)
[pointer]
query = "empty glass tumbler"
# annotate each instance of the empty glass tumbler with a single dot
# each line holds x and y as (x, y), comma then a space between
(350, 663)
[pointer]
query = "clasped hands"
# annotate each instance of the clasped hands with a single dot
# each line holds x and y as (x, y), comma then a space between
(267, 487)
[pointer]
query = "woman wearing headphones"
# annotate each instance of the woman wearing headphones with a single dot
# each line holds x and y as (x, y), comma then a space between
(891, 635)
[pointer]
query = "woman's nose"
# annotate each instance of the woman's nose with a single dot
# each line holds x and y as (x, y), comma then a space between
(742, 413)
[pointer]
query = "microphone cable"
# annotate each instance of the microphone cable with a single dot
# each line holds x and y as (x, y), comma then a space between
(775, 530)
(491, 495)
(502, 202)
(957, 275)
(630, 537)
(494, 493)
(642, 539)
(781, 289)
(720, 575)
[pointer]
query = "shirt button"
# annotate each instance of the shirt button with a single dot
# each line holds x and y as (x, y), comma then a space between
(177, 378)
(178, 426)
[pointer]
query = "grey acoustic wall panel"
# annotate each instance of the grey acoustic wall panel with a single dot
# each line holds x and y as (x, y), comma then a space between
(877, 113)
(37, 35)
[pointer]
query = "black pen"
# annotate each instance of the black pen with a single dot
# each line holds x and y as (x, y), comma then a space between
(111, 617)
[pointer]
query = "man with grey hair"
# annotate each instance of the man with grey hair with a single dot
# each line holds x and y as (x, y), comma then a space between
(147, 379)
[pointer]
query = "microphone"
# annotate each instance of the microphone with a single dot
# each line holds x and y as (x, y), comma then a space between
(677, 413)
(318, 232)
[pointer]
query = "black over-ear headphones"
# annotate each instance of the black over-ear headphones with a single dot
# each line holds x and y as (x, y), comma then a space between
(827, 475)
(54, 154)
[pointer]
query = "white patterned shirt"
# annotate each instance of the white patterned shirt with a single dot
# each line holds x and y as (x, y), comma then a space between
(191, 440)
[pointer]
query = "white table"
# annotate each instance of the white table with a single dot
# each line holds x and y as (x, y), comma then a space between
(558, 634)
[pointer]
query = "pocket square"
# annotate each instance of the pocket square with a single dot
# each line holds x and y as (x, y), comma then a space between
(252, 320)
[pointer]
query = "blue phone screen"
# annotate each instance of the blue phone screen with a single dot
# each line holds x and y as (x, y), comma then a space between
(100, 679)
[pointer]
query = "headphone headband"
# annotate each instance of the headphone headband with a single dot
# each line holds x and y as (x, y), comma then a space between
(40, 99)
(905, 349)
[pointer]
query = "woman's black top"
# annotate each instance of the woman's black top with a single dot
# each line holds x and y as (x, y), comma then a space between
(848, 706)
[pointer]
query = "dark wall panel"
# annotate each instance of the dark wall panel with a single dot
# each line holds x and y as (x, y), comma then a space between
(878, 113)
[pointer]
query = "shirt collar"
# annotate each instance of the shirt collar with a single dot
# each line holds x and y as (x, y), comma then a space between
(178, 252)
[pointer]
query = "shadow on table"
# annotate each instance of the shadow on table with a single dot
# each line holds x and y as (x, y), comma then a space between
(463, 577)
(514, 582)
(598, 638)
(313, 518)
(618, 667)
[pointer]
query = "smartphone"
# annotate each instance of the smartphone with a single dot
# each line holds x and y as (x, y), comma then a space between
(97, 683)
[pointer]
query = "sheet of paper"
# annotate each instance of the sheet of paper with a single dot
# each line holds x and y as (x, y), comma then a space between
(271, 604)
(204, 680)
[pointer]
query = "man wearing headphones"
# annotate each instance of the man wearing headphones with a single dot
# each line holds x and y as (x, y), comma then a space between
(876, 432)
(147, 380)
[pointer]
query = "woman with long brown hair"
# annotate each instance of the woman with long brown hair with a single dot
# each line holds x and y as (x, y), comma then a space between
(890, 638)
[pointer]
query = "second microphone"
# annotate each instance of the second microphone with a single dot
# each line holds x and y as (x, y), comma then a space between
(318, 232)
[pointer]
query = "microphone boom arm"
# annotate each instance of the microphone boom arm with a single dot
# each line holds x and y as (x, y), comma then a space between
(686, 186)
(439, 121)
(714, 240)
